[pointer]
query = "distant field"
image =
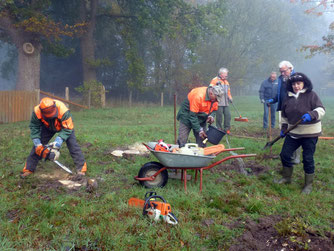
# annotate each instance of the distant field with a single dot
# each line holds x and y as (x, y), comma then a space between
(41, 214)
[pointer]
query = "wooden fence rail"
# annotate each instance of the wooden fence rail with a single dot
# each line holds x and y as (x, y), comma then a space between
(17, 105)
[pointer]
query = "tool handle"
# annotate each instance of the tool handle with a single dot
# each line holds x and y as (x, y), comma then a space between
(236, 110)
(285, 132)
(293, 127)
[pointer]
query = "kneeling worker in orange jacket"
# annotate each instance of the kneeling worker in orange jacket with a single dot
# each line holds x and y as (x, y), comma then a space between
(48, 118)
(198, 109)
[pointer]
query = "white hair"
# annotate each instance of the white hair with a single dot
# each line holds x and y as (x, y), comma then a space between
(223, 70)
(285, 63)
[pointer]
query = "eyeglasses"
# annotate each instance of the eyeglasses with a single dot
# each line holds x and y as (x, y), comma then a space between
(296, 78)
(282, 71)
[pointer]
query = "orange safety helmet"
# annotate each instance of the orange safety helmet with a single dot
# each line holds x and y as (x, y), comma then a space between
(48, 108)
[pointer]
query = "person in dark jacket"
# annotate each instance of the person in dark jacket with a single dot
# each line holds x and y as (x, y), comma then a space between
(268, 90)
(48, 118)
(197, 109)
(286, 69)
(301, 103)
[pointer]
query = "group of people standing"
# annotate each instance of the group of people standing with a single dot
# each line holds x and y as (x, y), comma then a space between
(298, 105)
(291, 94)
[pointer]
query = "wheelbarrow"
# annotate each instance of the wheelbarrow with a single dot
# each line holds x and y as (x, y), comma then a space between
(155, 174)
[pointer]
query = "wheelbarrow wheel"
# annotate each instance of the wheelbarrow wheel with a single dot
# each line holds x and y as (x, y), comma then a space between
(150, 169)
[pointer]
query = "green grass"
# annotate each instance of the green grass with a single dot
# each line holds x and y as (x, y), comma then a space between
(35, 216)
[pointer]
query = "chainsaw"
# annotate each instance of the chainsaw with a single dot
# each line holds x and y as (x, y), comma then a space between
(52, 152)
(155, 207)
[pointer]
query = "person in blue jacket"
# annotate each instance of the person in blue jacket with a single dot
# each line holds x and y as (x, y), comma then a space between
(268, 90)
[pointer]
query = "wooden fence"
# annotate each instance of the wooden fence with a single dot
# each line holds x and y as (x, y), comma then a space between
(17, 105)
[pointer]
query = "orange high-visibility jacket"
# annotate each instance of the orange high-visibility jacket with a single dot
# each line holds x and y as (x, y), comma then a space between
(62, 124)
(196, 108)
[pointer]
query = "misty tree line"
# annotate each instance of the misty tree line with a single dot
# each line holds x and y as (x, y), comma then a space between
(149, 46)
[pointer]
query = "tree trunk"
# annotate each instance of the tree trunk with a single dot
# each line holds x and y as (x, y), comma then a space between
(87, 42)
(28, 74)
(29, 55)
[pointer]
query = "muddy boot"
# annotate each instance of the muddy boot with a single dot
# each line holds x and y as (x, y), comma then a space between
(287, 174)
(308, 183)
(25, 174)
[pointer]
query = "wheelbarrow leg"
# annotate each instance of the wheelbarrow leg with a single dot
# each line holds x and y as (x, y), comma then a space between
(201, 178)
(185, 179)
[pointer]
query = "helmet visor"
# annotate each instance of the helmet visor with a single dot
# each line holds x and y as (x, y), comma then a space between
(50, 112)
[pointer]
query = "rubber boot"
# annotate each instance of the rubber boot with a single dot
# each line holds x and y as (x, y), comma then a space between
(286, 176)
(308, 183)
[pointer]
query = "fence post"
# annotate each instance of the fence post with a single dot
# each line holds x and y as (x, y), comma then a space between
(38, 95)
(89, 97)
(103, 96)
(67, 96)
(162, 99)
(130, 98)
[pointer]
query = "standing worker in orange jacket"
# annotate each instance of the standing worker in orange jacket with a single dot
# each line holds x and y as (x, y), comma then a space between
(223, 101)
(197, 110)
(48, 118)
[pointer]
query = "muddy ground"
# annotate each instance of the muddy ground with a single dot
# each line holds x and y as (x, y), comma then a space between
(276, 233)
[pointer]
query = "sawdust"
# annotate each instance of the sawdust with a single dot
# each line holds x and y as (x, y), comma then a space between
(56, 179)
(126, 151)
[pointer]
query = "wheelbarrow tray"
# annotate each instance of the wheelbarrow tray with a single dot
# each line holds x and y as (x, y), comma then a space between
(169, 159)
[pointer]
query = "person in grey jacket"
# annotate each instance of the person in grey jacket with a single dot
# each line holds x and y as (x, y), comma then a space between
(301, 103)
(268, 90)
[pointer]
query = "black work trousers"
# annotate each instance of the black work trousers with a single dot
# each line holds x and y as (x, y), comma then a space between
(290, 146)
(72, 145)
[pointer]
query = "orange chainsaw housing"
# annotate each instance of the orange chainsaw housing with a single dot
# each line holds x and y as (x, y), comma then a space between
(164, 207)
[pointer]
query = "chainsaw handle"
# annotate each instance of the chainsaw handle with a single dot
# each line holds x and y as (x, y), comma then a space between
(148, 201)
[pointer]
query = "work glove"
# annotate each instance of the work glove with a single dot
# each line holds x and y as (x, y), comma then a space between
(202, 134)
(282, 135)
(42, 151)
(269, 101)
(210, 119)
(263, 101)
(57, 143)
(306, 118)
(54, 155)
(37, 142)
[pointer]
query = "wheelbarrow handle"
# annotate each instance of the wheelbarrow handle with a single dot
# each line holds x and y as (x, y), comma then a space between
(229, 157)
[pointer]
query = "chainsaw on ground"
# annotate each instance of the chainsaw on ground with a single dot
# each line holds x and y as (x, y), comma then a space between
(155, 207)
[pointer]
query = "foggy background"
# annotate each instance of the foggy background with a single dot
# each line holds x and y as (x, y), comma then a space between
(251, 38)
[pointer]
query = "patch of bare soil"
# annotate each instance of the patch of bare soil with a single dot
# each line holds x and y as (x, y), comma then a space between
(57, 180)
(251, 167)
(263, 235)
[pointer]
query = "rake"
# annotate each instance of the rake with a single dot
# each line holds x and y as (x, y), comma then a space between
(240, 118)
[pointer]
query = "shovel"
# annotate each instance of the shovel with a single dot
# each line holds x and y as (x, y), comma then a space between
(270, 143)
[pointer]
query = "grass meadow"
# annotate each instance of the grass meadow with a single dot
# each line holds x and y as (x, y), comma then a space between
(36, 214)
